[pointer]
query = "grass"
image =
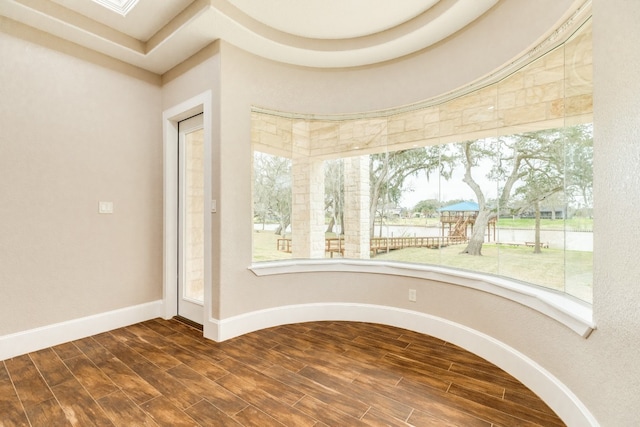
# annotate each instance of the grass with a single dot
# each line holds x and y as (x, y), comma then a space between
(569, 271)
(571, 224)
(265, 247)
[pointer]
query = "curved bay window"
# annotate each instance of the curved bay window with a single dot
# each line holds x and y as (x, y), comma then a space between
(497, 180)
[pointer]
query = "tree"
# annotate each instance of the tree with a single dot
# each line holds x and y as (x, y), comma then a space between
(543, 172)
(334, 194)
(562, 168)
(579, 165)
(536, 166)
(389, 170)
(427, 207)
(272, 189)
(506, 169)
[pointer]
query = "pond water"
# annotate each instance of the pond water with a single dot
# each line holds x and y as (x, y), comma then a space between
(557, 239)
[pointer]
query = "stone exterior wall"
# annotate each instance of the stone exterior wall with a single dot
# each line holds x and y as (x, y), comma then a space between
(272, 134)
(356, 207)
(194, 216)
(307, 211)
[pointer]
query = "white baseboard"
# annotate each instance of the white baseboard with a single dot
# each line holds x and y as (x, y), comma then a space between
(47, 336)
(543, 383)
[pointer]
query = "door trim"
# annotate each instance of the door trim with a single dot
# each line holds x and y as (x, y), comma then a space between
(201, 103)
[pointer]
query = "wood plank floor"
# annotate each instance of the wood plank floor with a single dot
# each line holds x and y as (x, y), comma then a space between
(163, 373)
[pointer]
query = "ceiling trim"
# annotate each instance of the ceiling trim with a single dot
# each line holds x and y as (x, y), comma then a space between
(333, 19)
(205, 21)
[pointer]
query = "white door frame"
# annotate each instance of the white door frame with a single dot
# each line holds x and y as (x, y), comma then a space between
(198, 104)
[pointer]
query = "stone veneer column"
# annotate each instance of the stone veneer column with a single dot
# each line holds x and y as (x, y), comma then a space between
(356, 207)
(307, 210)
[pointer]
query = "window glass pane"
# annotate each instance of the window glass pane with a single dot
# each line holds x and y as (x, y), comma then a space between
(497, 180)
(579, 222)
(271, 207)
(532, 222)
(334, 207)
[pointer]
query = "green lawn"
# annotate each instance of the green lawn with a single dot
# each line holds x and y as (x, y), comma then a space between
(265, 247)
(572, 224)
(570, 271)
(553, 268)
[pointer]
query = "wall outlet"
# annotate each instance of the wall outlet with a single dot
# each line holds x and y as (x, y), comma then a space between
(105, 207)
(412, 295)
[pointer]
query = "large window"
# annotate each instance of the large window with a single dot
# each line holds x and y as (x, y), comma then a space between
(497, 181)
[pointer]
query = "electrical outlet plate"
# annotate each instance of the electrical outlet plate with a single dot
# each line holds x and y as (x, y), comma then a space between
(412, 295)
(105, 207)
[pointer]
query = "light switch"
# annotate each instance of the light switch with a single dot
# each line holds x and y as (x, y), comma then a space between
(214, 207)
(105, 207)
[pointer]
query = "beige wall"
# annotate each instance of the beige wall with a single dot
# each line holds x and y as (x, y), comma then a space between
(608, 375)
(199, 74)
(600, 370)
(72, 133)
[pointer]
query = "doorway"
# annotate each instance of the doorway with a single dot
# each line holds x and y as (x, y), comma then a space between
(193, 300)
(191, 219)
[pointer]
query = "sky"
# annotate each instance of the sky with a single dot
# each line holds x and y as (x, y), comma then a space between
(445, 190)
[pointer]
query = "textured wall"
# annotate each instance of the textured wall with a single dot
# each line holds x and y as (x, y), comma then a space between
(611, 380)
(600, 370)
(73, 133)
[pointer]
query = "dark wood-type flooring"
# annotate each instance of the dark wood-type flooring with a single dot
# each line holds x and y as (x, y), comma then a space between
(162, 372)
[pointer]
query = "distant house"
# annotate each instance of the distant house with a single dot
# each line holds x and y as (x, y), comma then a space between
(545, 213)
(390, 210)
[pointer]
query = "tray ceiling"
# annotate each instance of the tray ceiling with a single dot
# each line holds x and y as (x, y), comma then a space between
(156, 35)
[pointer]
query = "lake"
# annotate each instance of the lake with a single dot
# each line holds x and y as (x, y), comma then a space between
(557, 239)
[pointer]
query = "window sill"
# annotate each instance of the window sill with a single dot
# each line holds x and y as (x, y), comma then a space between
(565, 309)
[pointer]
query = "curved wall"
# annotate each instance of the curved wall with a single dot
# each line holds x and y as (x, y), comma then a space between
(485, 46)
(251, 81)
(581, 365)
(38, 290)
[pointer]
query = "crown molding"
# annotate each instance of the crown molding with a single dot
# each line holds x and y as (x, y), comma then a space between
(205, 21)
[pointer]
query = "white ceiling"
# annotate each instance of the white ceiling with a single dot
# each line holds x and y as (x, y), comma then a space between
(156, 35)
(331, 19)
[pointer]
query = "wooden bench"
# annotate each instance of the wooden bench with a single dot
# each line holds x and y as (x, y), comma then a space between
(527, 244)
(510, 243)
(532, 244)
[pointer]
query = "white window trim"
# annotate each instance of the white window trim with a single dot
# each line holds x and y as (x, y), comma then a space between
(569, 311)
